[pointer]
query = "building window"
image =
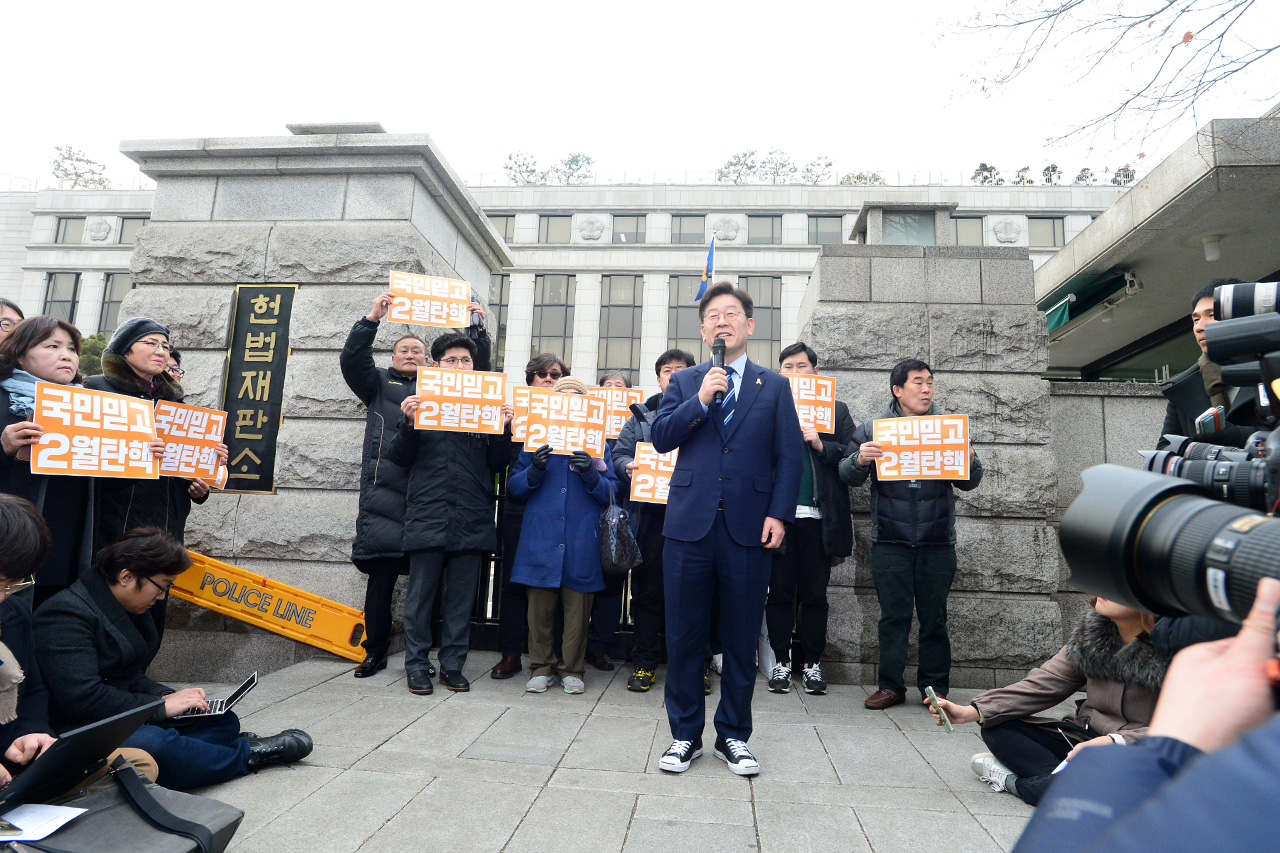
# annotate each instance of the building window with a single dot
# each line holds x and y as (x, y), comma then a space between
(505, 226)
(553, 298)
(61, 292)
(825, 229)
(129, 229)
(70, 230)
(620, 311)
(908, 229)
(554, 229)
(118, 284)
(684, 329)
(628, 229)
(1045, 231)
(499, 296)
(689, 230)
(966, 230)
(765, 345)
(764, 230)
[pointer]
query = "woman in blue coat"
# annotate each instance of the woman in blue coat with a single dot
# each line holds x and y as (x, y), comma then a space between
(559, 553)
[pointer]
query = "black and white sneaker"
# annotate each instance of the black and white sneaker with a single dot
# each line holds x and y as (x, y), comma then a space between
(681, 754)
(813, 682)
(737, 756)
(780, 678)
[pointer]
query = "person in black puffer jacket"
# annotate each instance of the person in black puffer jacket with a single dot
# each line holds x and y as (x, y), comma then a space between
(913, 551)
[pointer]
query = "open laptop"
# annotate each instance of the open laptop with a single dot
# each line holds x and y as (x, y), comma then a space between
(222, 706)
(72, 757)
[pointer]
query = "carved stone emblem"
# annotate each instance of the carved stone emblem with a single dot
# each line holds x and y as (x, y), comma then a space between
(1008, 230)
(726, 229)
(591, 228)
(97, 230)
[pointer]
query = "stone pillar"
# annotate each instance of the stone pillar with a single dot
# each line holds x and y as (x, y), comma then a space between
(586, 327)
(793, 288)
(970, 312)
(653, 326)
(334, 209)
(519, 326)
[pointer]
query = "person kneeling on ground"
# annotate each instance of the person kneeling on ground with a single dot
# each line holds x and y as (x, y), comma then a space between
(25, 541)
(1111, 657)
(94, 643)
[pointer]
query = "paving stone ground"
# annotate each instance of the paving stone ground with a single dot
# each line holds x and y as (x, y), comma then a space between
(497, 769)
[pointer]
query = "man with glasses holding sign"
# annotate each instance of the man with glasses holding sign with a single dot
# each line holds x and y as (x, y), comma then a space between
(733, 488)
(448, 520)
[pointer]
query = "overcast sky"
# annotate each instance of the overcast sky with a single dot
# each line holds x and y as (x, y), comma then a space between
(641, 87)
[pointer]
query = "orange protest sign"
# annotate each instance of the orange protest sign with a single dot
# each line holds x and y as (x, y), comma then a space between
(428, 300)
(191, 436)
(815, 398)
(460, 400)
(617, 407)
(520, 403)
(934, 447)
(651, 480)
(93, 433)
(567, 422)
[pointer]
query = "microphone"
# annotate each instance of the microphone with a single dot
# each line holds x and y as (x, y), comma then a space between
(717, 360)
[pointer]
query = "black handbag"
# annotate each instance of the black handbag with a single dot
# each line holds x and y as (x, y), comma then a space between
(619, 551)
(134, 815)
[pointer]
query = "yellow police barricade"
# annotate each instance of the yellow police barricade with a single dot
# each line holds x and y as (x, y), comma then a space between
(277, 607)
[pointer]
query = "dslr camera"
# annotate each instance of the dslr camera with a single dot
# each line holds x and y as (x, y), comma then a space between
(1195, 531)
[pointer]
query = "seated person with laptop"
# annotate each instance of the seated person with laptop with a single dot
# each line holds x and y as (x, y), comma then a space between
(94, 642)
(25, 732)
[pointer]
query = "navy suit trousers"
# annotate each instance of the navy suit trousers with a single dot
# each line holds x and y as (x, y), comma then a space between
(691, 573)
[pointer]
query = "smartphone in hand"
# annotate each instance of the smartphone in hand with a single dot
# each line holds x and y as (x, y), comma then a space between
(942, 715)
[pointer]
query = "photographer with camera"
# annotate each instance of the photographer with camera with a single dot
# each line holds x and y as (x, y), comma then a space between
(1204, 778)
(1199, 390)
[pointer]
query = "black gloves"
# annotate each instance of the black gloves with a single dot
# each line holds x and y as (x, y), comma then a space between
(582, 462)
(540, 457)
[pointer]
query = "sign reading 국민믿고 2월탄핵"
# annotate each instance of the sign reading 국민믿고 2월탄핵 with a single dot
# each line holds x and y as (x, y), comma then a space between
(254, 392)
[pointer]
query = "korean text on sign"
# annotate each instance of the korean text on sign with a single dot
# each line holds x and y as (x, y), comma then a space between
(191, 435)
(815, 398)
(461, 400)
(651, 480)
(426, 300)
(567, 422)
(617, 406)
(934, 447)
(520, 403)
(93, 434)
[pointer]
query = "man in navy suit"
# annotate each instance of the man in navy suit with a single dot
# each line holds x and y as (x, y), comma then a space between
(734, 487)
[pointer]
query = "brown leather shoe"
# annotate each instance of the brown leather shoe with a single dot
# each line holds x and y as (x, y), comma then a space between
(507, 667)
(884, 698)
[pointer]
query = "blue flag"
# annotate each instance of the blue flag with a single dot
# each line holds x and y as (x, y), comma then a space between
(709, 270)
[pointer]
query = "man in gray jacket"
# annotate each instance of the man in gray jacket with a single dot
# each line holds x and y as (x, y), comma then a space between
(913, 550)
(647, 604)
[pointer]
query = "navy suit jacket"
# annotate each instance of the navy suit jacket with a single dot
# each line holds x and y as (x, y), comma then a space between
(754, 465)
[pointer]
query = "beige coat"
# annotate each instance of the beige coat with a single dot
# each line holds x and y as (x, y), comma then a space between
(1120, 681)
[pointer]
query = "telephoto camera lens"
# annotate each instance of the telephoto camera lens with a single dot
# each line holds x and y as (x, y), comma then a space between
(1180, 445)
(1158, 544)
(1242, 482)
(1244, 300)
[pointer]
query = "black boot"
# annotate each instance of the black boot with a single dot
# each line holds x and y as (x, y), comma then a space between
(370, 665)
(285, 748)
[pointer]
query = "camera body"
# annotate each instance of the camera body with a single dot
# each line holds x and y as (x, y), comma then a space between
(1193, 532)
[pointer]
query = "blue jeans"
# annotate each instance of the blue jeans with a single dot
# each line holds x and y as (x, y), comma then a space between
(200, 752)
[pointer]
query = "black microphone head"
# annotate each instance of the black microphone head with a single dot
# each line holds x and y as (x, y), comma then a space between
(717, 346)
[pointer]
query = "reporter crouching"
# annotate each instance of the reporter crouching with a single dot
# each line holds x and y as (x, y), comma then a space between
(94, 643)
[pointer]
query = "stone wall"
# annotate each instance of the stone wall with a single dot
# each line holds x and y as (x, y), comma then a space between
(970, 313)
(334, 214)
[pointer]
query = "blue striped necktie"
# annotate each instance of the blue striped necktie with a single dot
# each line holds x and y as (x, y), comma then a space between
(730, 398)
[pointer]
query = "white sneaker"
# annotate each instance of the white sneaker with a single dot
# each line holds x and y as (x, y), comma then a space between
(780, 678)
(680, 755)
(539, 683)
(573, 684)
(717, 664)
(737, 756)
(989, 769)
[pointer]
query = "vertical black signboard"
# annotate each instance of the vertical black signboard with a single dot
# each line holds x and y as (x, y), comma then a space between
(254, 391)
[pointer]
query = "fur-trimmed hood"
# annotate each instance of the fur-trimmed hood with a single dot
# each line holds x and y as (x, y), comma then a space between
(121, 376)
(1096, 648)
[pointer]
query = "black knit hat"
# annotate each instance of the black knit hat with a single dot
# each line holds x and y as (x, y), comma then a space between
(130, 332)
